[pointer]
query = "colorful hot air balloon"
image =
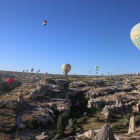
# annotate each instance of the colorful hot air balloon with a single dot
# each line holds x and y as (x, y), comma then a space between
(44, 23)
(26, 70)
(66, 68)
(135, 35)
(96, 68)
(10, 80)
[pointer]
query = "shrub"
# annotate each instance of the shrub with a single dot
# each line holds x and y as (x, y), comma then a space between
(25, 126)
(115, 128)
(53, 133)
(137, 120)
(3, 105)
(33, 123)
(128, 116)
(97, 119)
(56, 137)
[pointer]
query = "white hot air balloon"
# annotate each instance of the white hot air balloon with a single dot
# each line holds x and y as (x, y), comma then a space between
(118, 70)
(135, 35)
(66, 68)
(101, 74)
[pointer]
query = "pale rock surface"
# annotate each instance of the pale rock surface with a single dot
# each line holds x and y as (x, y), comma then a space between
(132, 125)
(105, 133)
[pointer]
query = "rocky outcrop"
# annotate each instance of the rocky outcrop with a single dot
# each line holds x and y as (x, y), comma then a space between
(87, 134)
(20, 99)
(132, 125)
(40, 90)
(109, 90)
(105, 133)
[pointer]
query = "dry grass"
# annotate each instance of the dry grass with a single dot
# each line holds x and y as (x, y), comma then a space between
(7, 120)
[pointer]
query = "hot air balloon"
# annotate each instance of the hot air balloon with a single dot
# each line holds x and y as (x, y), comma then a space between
(32, 69)
(37, 71)
(108, 72)
(23, 70)
(66, 68)
(101, 74)
(10, 80)
(26, 70)
(89, 71)
(96, 68)
(135, 35)
(44, 23)
(118, 70)
(96, 72)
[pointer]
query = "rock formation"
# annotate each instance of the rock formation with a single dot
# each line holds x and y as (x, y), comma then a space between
(105, 133)
(131, 125)
(20, 99)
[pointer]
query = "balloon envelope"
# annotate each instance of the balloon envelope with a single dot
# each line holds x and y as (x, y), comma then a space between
(135, 35)
(96, 68)
(66, 68)
(10, 80)
(44, 22)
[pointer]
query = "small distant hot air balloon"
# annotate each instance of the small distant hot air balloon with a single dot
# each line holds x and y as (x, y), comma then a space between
(44, 23)
(26, 70)
(118, 70)
(66, 68)
(108, 72)
(23, 70)
(89, 71)
(111, 73)
(101, 74)
(96, 68)
(10, 80)
(96, 72)
(37, 71)
(32, 69)
(135, 35)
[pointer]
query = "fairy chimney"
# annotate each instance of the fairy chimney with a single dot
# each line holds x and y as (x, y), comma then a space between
(131, 125)
(20, 99)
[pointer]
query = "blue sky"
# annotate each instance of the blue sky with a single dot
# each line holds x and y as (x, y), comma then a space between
(83, 33)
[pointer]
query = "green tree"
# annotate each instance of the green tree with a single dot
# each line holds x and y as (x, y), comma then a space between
(33, 123)
(61, 124)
